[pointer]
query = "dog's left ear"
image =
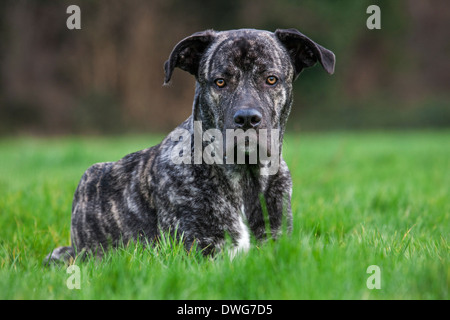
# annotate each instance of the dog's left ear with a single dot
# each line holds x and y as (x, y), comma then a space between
(304, 52)
(187, 53)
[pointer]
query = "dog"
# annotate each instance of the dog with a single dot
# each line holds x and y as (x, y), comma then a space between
(244, 82)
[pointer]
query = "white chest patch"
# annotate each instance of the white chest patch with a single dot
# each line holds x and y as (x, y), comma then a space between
(243, 241)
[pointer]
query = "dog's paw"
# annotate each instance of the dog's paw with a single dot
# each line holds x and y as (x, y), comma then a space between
(59, 257)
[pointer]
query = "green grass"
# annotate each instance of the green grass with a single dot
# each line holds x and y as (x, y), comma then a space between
(359, 199)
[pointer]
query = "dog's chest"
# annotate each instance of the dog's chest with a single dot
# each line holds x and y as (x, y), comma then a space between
(242, 241)
(246, 192)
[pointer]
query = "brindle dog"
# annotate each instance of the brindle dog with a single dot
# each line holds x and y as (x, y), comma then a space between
(243, 81)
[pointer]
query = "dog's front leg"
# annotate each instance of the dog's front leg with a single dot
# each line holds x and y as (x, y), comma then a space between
(269, 211)
(277, 201)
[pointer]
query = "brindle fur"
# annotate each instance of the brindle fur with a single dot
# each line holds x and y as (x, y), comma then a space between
(145, 193)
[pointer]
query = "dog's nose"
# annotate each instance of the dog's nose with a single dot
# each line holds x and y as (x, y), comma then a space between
(247, 119)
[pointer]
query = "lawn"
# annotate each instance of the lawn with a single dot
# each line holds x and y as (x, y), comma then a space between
(359, 199)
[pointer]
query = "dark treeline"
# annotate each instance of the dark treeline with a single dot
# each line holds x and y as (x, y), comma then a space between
(108, 76)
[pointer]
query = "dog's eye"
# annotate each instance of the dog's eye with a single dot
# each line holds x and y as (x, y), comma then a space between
(271, 80)
(220, 83)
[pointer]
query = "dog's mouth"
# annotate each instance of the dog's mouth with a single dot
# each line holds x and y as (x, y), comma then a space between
(261, 148)
(247, 145)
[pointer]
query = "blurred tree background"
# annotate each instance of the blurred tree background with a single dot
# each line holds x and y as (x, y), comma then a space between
(107, 77)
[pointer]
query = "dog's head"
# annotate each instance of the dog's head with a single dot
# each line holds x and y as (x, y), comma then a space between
(244, 77)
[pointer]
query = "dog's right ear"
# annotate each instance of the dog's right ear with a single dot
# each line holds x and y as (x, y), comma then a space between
(187, 53)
